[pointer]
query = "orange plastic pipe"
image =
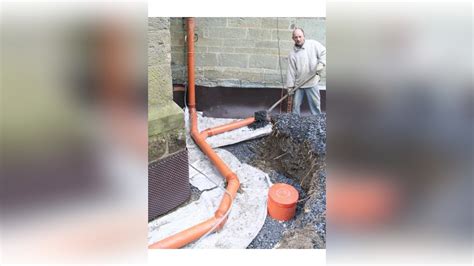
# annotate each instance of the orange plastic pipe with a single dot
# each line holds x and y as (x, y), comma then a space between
(227, 127)
(192, 234)
(190, 40)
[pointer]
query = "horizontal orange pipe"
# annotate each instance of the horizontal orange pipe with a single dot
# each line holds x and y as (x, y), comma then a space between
(192, 234)
(227, 127)
(181, 239)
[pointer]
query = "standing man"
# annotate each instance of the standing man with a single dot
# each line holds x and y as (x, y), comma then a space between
(307, 58)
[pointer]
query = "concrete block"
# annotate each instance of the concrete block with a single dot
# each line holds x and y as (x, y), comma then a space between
(244, 22)
(246, 50)
(179, 75)
(263, 61)
(250, 76)
(233, 60)
(177, 39)
(221, 73)
(271, 23)
(178, 58)
(259, 34)
(263, 50)
(213, 73)
(206, 42)
(239, 43)
(206, 59)
(227, 33)
(200, 49)
(211, 22)
(178, 71)
(220, 49)
(178, 49)
(269, 44)
(274, 79)
(177, 23)
(283, 34)
(285, 51)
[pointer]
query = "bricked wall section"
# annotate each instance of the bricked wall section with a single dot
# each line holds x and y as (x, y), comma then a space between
(240, 52)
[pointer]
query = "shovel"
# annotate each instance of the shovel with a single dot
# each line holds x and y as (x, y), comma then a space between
(263, 117)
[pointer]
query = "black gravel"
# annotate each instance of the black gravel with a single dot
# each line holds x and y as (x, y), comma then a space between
(310, 129)
(272, 230)
(261, 120)
(317, 205)
(245, 151)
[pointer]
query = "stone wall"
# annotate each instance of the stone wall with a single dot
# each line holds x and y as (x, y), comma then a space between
(240, 52)
(165, 118)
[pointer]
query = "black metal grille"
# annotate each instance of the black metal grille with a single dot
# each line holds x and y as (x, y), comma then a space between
(168, 184)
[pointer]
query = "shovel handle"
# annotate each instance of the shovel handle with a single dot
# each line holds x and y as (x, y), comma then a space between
(290, 91)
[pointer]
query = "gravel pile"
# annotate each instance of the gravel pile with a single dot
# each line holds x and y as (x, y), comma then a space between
(310, 130)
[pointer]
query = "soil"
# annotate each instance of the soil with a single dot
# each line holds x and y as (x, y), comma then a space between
(294, 154)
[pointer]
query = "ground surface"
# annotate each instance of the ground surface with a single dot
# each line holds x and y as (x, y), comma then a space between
(294, 154)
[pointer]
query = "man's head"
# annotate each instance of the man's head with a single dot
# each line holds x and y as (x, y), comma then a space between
(298, 36)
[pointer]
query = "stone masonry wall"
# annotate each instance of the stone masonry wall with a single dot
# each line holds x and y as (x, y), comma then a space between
(240, 52)
(165, 118)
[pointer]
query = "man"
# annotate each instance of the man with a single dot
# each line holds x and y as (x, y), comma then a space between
(307, 58)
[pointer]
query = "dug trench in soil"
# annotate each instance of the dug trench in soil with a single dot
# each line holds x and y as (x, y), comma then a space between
(295, 154)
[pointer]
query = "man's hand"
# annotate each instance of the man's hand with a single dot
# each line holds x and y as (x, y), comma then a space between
(290, 91)
(319, 67)
(318, 77)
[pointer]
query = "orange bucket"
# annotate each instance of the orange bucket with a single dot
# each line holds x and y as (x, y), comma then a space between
(282, 200)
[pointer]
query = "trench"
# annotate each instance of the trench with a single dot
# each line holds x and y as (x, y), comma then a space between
(294, 153)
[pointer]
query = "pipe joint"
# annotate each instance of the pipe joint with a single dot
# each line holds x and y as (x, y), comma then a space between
(231, 176)
(206, 133)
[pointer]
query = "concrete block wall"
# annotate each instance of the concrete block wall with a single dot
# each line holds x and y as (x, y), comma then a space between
(240, 52)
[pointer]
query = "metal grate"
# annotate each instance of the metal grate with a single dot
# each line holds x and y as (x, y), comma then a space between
(168, 184)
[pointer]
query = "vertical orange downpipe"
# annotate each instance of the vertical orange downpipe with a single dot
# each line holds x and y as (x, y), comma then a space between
(192, 234)
(190, 57)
